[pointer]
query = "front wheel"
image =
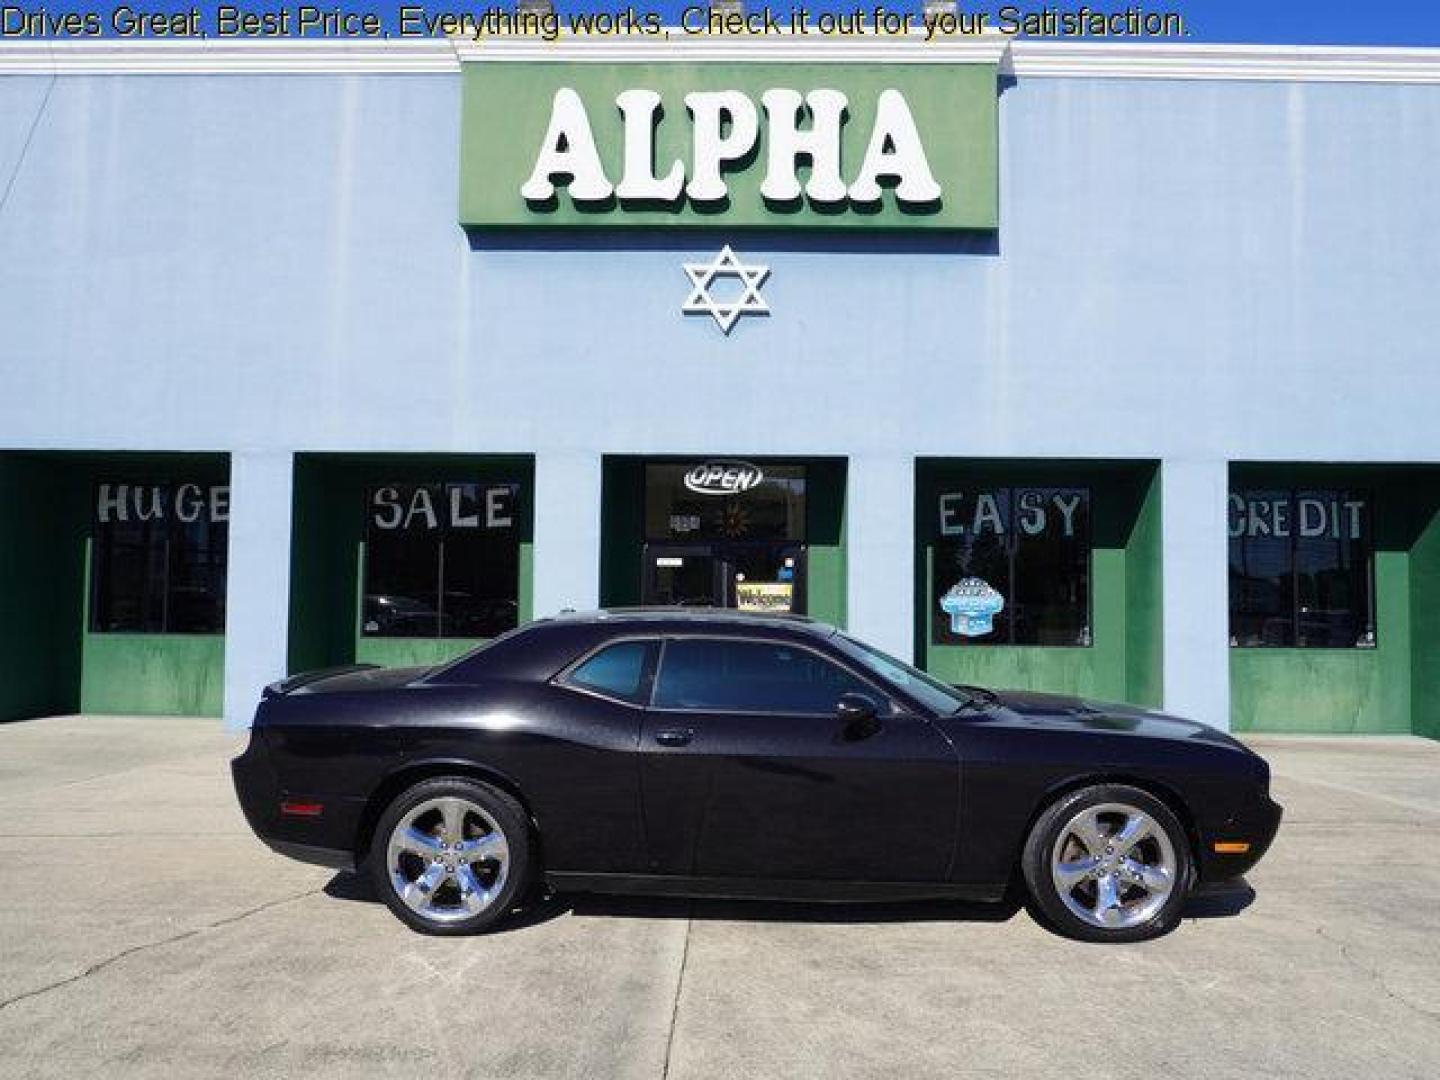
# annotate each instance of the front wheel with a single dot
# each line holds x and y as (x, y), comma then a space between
(1109, 863)
(451, 855)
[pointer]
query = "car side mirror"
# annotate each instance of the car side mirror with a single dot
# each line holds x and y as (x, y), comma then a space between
(859, 716)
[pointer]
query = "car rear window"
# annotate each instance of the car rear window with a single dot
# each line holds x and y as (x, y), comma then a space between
(616, 671)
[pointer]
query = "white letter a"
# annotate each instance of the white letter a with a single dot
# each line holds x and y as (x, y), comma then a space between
(895, 153)
(568, 151)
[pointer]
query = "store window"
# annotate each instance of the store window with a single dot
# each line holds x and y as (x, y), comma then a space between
(442, 560)
(158, 558)
(1301, 569)
(1012, 567)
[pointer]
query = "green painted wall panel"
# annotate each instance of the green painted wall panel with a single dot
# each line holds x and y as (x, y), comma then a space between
(622, 531)
(1425, 630)
(1123, 661)
(1144, 563)
(41, 588)
(826, 564)
(411, 652)
(324, 566)
(153, 674)
(1057, 671)
(1315, 691)
(506, 115)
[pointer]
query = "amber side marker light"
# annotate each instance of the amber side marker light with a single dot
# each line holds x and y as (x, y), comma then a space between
(302, 809)
(1232, 847)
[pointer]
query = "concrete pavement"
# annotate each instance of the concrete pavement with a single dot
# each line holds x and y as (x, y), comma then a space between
(144, 932)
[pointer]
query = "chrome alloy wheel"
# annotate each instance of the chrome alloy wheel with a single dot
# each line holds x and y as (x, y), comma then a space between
(448, 859)
(1113, 866)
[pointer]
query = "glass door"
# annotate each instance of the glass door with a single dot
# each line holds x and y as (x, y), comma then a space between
(682, 575)
(748, 577)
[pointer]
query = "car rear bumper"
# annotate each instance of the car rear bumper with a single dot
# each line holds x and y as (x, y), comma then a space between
(324, 837)
(333, 858)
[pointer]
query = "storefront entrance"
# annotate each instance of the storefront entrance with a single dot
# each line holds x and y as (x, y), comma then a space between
(753, 534)
(725, 533)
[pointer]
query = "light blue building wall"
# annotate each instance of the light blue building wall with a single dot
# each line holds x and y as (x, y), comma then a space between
(1189, 271)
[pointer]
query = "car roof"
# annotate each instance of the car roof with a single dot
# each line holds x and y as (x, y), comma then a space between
(538, 649)
(696, 618)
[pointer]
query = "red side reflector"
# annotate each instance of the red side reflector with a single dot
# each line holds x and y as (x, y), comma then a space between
(302, 809)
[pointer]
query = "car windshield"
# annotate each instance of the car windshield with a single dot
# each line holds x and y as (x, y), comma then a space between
(930, 691)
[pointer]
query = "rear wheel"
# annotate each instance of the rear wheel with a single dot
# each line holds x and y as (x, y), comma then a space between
(451, 855)
(1109, 863)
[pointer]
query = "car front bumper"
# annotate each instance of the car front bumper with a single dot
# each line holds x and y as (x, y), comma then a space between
(1254, 825)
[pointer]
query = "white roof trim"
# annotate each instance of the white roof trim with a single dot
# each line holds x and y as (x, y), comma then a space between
(211, 57)
(1265, 63)
(1022, 58)
(681, 47)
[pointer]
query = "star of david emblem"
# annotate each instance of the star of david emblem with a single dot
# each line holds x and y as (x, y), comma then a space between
(726, 313)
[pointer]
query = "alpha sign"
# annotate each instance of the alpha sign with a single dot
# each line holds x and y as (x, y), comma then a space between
(893, 146)
(725, 126)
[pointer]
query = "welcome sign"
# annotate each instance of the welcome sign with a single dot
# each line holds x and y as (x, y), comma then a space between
(732, 145)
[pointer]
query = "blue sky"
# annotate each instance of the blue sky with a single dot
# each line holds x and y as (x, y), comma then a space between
(1402, 22)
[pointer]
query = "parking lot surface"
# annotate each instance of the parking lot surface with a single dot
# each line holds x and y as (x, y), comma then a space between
(145, 932)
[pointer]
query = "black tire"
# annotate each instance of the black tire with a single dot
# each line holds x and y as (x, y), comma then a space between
(1053, 828)
(486, 811)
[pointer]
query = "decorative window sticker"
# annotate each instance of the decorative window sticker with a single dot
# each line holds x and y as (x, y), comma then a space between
(972, 605)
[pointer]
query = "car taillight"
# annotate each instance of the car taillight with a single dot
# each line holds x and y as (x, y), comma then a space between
(302, 809)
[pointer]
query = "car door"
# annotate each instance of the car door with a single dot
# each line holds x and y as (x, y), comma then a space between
(747, 770)
(591, 790)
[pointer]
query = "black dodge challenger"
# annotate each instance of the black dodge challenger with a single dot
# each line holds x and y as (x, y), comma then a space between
(719, 754)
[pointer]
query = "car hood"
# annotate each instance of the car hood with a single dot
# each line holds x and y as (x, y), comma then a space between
(1081, 714)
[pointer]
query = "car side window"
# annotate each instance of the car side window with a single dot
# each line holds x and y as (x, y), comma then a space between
(750, 676)
(616, 671)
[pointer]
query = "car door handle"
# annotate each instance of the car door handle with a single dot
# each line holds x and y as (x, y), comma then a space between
(675, 737)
